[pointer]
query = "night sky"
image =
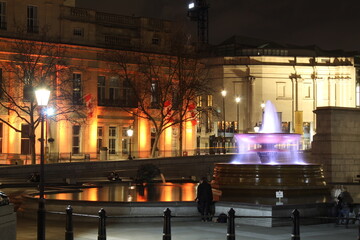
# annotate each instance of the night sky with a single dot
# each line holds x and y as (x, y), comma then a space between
(328, 24)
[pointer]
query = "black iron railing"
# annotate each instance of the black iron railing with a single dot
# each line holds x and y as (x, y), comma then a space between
(231, 216)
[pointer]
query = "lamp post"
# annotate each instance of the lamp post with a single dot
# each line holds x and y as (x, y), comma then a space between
(42, 97)
(130, 133)
(237, 100)
(262, 105)
(223, 93)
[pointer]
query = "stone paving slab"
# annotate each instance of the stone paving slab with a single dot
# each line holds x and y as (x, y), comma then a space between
(192, 230)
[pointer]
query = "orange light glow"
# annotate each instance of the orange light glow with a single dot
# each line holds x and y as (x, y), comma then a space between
(93, 136)
(166, 194)
(12, 138)
(187, 192)
(189, 135)
(143, 134)
(167, 141)
(140, 197)
(64, 145)
(92, 194)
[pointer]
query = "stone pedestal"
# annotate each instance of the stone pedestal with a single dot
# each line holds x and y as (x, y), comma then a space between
(336, 143)
(7, 222)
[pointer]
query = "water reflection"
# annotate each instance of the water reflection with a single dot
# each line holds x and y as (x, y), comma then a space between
(123, 192)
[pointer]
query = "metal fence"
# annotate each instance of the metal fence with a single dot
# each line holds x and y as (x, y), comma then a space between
(231, 216)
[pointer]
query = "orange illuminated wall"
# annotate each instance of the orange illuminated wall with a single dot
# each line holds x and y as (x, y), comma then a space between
(143, 138)
(92, 140)
(167, 142)
(189, 136)
(12, 137)
(64, 144)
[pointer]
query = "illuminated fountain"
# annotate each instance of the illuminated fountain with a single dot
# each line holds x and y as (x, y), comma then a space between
(267, 162)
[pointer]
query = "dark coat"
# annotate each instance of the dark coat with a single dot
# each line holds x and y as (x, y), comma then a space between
(204, 192)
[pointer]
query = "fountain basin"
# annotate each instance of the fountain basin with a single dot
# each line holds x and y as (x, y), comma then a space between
(259, 182)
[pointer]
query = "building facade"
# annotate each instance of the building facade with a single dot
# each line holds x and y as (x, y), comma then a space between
(295, 79)
(84, 36)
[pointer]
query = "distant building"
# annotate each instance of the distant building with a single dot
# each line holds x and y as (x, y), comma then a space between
(295, 79)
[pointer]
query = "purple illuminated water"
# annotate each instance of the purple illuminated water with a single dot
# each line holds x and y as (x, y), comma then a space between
(270, 145)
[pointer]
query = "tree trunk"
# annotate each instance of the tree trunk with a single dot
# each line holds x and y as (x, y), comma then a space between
(154, 150)
(181, 137)
(32, 139)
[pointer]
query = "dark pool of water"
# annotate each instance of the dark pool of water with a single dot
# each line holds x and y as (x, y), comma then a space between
(127, 192)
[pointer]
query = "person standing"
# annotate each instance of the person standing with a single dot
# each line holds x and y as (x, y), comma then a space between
(204, 198)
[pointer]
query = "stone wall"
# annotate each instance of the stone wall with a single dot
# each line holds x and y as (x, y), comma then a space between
(336, 143)
(7, 222)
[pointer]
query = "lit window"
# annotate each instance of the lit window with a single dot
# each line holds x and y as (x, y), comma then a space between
(209, 101)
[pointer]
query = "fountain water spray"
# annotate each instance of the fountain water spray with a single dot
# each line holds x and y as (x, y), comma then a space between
(270, 145)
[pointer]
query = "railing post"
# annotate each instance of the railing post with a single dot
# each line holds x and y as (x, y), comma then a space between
(69, 234)
(167, 225)
(231, 225)
(296, 225)
(102, 225)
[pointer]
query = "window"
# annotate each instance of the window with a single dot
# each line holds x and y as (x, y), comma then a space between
(28, 93)
(114, 89)
(78, 32)
(32, 19)
(77, 89)
(154, 94)
(112, 140)
(155, 41)
(280, 89)
(101, 89)
(3, 15)
(307, 90)
(76, 139)
(25, 139)
(199, 101)
(209, 100)
(99, 138)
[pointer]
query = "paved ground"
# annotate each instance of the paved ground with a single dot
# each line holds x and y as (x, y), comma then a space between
(26, 230)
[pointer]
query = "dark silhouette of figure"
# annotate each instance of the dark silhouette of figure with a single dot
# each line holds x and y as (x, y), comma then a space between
(345, 205)
(204, 198)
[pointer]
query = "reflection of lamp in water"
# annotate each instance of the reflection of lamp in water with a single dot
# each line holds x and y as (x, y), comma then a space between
(130, 133)
(42, 97)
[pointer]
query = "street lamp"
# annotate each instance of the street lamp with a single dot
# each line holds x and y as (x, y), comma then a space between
(42, 97)
(237, 100)
(130, 133)
(223, 93)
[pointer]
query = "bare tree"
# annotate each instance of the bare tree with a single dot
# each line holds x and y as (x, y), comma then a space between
(162, 88)
(31, 64)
